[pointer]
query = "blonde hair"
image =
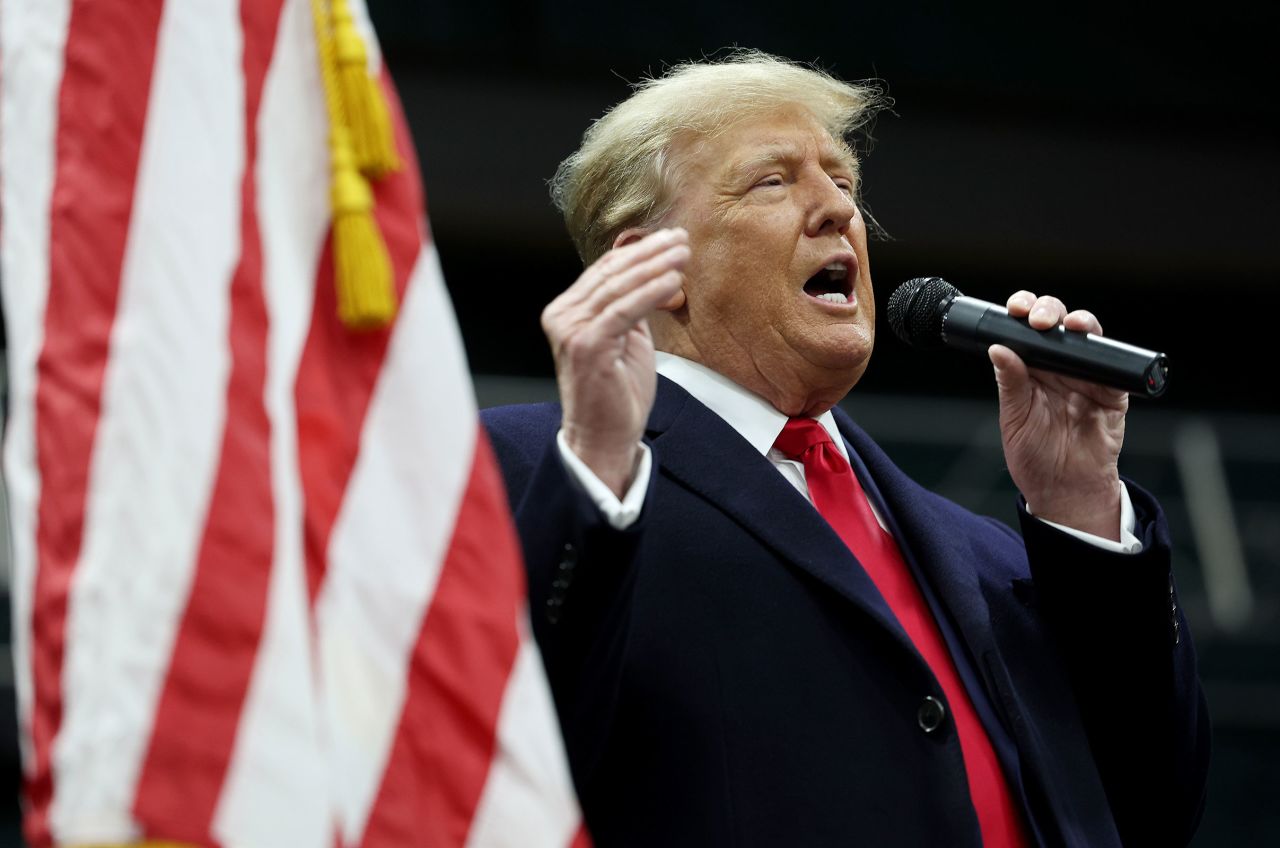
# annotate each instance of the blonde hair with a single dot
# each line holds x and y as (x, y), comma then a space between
(623, 174)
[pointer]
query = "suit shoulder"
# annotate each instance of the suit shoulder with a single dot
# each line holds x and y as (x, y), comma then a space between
(522, 419)
(521, 432)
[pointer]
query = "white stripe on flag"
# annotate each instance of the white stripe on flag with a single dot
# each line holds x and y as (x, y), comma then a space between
(32, 37)
(528, 801)
(162, 412)
(391, 536)
(360, 15)
(276, 790)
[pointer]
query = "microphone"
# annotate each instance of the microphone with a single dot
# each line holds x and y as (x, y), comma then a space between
(929, 312)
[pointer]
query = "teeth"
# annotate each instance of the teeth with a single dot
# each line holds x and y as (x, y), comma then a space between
(837, 266)
(833, 297)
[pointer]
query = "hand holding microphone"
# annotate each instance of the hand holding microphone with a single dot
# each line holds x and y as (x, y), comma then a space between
(929, 312)
(1061, 434)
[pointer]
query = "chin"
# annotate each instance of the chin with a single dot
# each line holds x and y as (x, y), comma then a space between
(847, 350)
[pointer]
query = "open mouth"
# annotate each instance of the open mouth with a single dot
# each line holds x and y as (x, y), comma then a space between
(834, 283)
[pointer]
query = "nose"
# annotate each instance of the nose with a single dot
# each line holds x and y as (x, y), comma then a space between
(831, 208)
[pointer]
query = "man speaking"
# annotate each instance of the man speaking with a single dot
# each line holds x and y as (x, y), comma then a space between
(758, 631)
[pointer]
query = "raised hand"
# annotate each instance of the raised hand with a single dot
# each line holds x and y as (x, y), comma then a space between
(1061, 436)
(604, 353)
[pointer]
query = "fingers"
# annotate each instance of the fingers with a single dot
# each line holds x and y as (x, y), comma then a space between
(663, 245)
(616, 292)
(622, 313)
(1047, 311)
(1042, 312)
(1020, 303)
(635, 275)
(1084, 321)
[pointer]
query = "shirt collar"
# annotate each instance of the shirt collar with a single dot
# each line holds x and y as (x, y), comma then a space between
(753, 417)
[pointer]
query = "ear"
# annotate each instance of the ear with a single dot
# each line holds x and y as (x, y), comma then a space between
(630, 235)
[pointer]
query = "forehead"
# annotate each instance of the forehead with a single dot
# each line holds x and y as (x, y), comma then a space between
(781, 136)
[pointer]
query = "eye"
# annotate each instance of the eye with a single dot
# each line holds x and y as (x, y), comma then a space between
(844, 184)
(771, 181)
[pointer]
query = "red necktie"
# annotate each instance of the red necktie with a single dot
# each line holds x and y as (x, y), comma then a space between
(839, 498)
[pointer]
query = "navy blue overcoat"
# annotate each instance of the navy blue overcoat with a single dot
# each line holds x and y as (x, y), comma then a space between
(726, 674)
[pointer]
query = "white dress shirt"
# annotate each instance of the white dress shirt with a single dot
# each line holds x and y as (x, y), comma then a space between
(757, 421)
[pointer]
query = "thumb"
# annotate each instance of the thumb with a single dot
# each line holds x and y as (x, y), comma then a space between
(1012, 377)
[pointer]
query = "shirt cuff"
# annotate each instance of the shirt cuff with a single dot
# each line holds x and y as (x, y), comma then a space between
(1128, 544)
(620, 514)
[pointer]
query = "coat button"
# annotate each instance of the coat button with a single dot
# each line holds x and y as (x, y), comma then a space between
(930, 714)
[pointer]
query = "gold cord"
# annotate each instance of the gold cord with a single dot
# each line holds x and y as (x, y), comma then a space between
(361, 266)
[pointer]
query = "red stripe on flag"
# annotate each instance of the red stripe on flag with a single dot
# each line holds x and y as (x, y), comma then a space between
(217, 642)
(102, 109)
(581, 839)
(465, 651)
(339, 368)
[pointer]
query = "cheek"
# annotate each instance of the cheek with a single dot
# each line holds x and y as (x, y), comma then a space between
(742, 271)
(723, 273)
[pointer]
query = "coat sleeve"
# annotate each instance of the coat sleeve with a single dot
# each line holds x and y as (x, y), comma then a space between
(1128, 650)
(581, 574)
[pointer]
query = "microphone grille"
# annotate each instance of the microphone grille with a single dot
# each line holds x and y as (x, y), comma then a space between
(916, 309)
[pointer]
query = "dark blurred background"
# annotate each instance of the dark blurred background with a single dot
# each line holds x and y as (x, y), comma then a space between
(1125, 158)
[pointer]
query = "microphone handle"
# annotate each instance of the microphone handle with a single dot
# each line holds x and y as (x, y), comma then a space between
(974, 324)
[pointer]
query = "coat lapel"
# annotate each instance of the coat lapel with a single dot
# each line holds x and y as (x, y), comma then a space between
(698, 449)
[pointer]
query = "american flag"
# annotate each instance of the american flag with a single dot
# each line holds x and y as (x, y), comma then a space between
(265, 589)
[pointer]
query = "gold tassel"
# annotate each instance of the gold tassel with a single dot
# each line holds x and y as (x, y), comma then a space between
(361, 266)
(367, 115)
